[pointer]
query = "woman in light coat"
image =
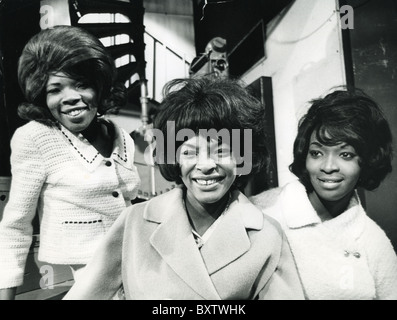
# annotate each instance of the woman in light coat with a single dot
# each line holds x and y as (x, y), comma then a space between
(203, 239)
(343, 143)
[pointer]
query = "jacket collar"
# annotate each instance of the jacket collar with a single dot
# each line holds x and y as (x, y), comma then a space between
(251, 216)
(173, 239)
(299, 212)
(86, 153)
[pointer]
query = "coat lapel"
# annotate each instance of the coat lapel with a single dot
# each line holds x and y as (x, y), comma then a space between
(174, 241)
(230, 239)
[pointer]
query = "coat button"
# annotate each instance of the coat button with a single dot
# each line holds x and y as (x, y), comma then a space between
(108, 163)
(115, 194)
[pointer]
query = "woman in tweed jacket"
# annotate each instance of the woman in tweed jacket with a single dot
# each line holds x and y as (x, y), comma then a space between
(71, 166)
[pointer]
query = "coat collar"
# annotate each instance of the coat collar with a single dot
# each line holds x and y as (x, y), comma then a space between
(299, 212)
(251, 216)
(86, 153)
(173, 239)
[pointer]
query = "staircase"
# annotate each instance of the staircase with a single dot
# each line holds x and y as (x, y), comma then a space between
(126, 20)
(118, 20)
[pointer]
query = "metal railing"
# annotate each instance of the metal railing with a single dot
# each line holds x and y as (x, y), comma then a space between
(164, 63)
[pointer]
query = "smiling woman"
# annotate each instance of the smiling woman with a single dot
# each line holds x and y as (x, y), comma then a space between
(203, 239)
(334, 171)
(68, 164)
(71, 102)
(343, 143)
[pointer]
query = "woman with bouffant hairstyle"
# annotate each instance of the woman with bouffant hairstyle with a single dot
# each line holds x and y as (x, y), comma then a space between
(74, 52)
(343, 143)
(203, 240)
(208, 103)
(69, 164)
(352, 117)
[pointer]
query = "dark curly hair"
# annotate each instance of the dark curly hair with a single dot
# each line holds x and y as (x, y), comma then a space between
(75, 52)
(349, 116)
(208, 103)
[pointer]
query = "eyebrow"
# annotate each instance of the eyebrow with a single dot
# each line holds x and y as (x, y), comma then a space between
(316, 143)
(53, 84)
(189, 145)
(320, 145)
(196, 146)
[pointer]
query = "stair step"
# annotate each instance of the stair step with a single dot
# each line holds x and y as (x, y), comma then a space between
(102, 30)
(130, 9)
(127, 71)
(120, 50)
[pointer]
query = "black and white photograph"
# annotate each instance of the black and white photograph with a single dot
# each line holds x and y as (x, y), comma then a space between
(209, 152)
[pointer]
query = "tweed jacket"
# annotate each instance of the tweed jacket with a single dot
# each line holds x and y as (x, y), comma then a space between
(77, 193)
(151, 250)
(346, 258)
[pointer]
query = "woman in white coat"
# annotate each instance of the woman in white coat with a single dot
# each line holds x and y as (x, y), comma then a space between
(343, 143)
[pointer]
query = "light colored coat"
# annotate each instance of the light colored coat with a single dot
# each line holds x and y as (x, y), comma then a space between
(347, 257)
(151, 250)
(77, 193)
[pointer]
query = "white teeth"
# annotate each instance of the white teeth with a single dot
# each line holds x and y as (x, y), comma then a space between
(206, 182)
(330, 181)
(74, 113)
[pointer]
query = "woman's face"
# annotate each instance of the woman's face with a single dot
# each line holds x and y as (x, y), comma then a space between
(73, 103)
(333, 170)
(207, 170)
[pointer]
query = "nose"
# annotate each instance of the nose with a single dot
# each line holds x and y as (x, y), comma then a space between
(329, 164)
(205, 163)
(70, 96)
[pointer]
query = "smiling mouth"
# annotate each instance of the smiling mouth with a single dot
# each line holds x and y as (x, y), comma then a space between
(330, 181)
(207, 182)
(75, 112)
